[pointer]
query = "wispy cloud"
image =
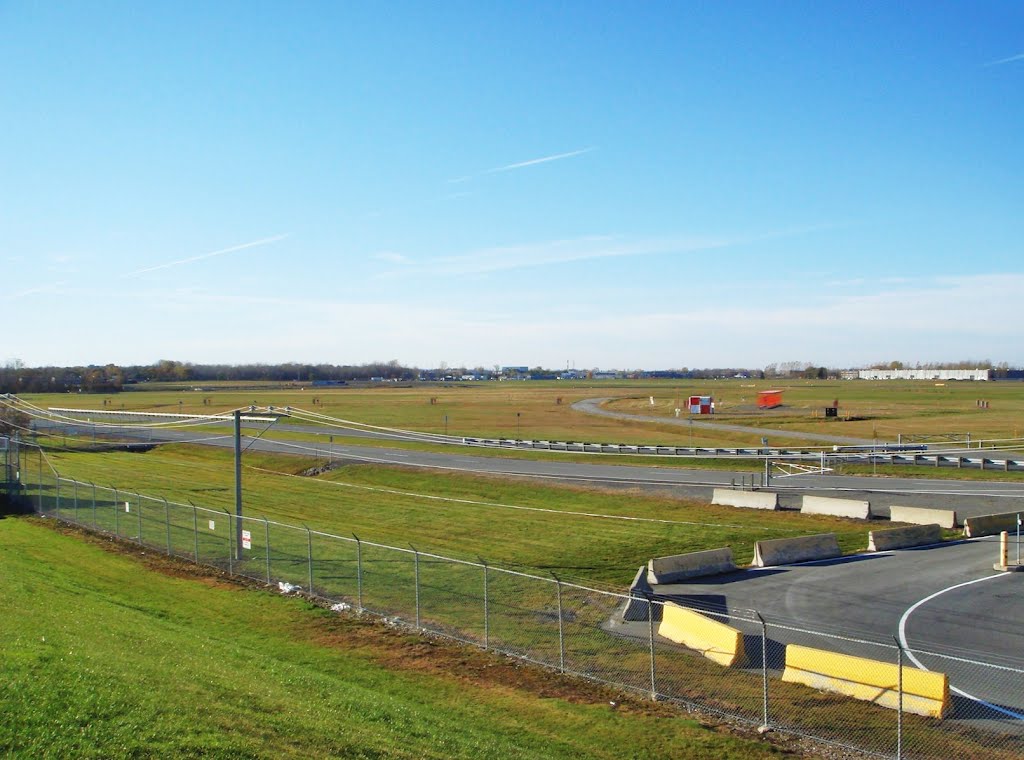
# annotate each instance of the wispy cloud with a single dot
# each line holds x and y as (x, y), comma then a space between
(52, 287)
(1010, 59)
(591, 247)
(504, 258)
(522, 165)
(391, 257)
(210, 255)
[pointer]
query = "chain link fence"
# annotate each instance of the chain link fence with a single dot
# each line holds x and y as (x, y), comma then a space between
(608, 637)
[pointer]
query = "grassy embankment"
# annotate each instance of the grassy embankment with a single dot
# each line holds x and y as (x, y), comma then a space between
(103, 658)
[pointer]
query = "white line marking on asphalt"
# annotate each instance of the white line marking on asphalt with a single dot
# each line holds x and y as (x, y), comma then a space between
(910, 653)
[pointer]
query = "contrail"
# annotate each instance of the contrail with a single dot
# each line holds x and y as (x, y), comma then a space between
(200, 257)
(1011, 59)
(533, 161)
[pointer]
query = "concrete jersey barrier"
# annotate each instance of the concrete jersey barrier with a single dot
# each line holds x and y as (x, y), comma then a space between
(826, 505)
(944, 518)
(638, 607)
(693, 565)
(718, 642)
(786, 551)
(924, 692)
(903, 538)
(990, 525)
(746, 499)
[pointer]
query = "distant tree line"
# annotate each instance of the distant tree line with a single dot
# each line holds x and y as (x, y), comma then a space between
(15, 377)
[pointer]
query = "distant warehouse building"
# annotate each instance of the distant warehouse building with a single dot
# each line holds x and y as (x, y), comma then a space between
(924, 374)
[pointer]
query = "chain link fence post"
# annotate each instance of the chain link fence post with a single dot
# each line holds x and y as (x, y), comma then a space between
(76, 500)
(138, 509)
(117, 510)
(195, 532)
(764, 671)
(899, 704)
(416, 574)
(309, 559)
(650, 642)
(266, 536)
(167, 523)
(359, 573)
(561, 625)
(39, 490)
(487, 616)
(56, 482)
(95, 522)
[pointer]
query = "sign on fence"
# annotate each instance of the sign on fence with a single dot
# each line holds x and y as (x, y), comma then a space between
(246, 539)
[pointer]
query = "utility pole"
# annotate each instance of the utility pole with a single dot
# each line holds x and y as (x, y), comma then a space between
(238, 484)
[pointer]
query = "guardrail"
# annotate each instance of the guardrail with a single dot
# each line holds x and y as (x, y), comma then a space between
(850, 455)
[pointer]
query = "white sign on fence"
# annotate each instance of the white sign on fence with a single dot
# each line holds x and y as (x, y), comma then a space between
(246, 539)
(212, 525)
(127, 507)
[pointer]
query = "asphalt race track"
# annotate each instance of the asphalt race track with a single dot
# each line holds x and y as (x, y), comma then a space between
(945, 599)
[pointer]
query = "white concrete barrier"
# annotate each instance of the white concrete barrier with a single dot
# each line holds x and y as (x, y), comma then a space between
(638, 606)
(826, 505)
(693, 565)
(902, 538)
(990, 525)
(748, 499)
(786, 551)
(944, 518)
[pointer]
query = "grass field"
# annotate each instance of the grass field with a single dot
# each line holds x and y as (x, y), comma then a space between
(575, 532)
(542, 410)
(104, 658)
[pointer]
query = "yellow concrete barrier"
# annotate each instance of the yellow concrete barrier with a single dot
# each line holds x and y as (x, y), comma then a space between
(716, 641)
(924, 693)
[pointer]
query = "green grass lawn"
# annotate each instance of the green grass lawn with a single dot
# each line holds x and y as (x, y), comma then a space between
(104, 658)
(575, 532)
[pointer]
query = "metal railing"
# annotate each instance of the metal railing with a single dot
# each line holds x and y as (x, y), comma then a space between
(569, 627)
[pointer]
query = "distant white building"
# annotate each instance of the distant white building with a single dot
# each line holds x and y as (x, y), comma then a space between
(924, 374)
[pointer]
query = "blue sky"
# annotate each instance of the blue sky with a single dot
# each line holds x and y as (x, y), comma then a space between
(603, 185)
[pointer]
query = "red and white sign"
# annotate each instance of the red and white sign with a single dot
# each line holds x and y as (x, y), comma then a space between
(246, 539)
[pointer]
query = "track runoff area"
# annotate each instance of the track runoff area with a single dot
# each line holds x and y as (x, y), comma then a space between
(943, 598)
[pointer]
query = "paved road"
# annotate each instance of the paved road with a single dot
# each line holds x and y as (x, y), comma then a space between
(944, 599)
(967, 497)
